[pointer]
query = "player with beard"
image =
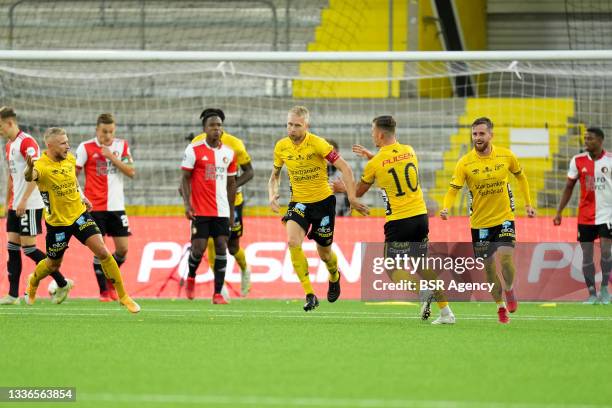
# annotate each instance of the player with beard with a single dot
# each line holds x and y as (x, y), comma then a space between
(485, 169)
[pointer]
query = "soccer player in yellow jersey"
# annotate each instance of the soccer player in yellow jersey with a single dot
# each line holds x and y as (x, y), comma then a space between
(485, 169)
(66, 214)
(312, 208)
(394, 168)
(245, 174)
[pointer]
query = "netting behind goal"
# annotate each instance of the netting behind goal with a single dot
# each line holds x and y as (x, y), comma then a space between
(539, 109)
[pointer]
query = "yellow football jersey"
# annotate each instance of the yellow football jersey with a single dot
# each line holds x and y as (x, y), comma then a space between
(242, 156)
(491, 199)
(58, 185)
(306, 166)
(395, 170)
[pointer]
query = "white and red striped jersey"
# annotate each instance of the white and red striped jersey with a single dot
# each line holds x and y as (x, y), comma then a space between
(103, 181)
(595, 176)
(209, 168)
(16, 152)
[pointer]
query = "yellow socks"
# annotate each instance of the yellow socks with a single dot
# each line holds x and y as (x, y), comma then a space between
(300, 264)
(40, 272)
(111, 270)
(240, 258)
(332, 267)
(210, 251)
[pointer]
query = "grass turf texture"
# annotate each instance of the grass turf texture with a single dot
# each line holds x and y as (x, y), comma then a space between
(263, 353)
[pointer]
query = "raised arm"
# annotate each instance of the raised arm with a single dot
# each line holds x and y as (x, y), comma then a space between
(30, 172)
(349, 183)
(126, 167)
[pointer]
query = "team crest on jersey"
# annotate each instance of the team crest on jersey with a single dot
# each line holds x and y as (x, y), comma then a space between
(604, 170)
(225, 160)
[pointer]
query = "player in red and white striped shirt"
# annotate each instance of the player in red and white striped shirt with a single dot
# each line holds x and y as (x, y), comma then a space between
(594, 170)
(208, 188)
(24, 204)
(106, 160)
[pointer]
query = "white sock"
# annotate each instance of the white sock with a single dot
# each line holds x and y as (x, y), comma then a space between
(445, 311)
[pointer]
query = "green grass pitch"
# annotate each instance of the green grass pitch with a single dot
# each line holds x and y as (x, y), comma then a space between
(269, 353)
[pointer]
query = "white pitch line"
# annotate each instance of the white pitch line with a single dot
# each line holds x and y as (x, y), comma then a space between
(290, 315)
(215, 400)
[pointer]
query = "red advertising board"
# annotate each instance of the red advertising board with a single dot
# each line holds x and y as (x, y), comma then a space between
(157, 258)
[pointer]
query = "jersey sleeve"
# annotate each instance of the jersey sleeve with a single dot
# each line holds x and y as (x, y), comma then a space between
(29, 147)
(325, 150)
(242, 156)
(458, 179)
(369, 172)
(572, 172)
(81, 156)
(278, 160)
(232, 168)
(188, 159)
(515, 167)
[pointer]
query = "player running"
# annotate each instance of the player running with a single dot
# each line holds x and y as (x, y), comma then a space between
(485, 169)
(66, 215)
(394, 168)
(312, 208)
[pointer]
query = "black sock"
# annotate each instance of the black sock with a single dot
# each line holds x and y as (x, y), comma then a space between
(13, 266)
(99, 274)
(588, 270)
(34, 253)
(219, 269)
(37, 255)
(606, 266)
(193, 265)
(119, 259)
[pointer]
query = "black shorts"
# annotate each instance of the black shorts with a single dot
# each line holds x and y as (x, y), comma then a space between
(205, 227)
(486, 240)
(407, 236)
(588, 233)
(413, 229)
(59, 236)
(237, 229)
(112, 223)
(28, 226)
(321, 215)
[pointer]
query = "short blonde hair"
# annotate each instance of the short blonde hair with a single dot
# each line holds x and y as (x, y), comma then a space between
(302, 112)
(52, 132)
